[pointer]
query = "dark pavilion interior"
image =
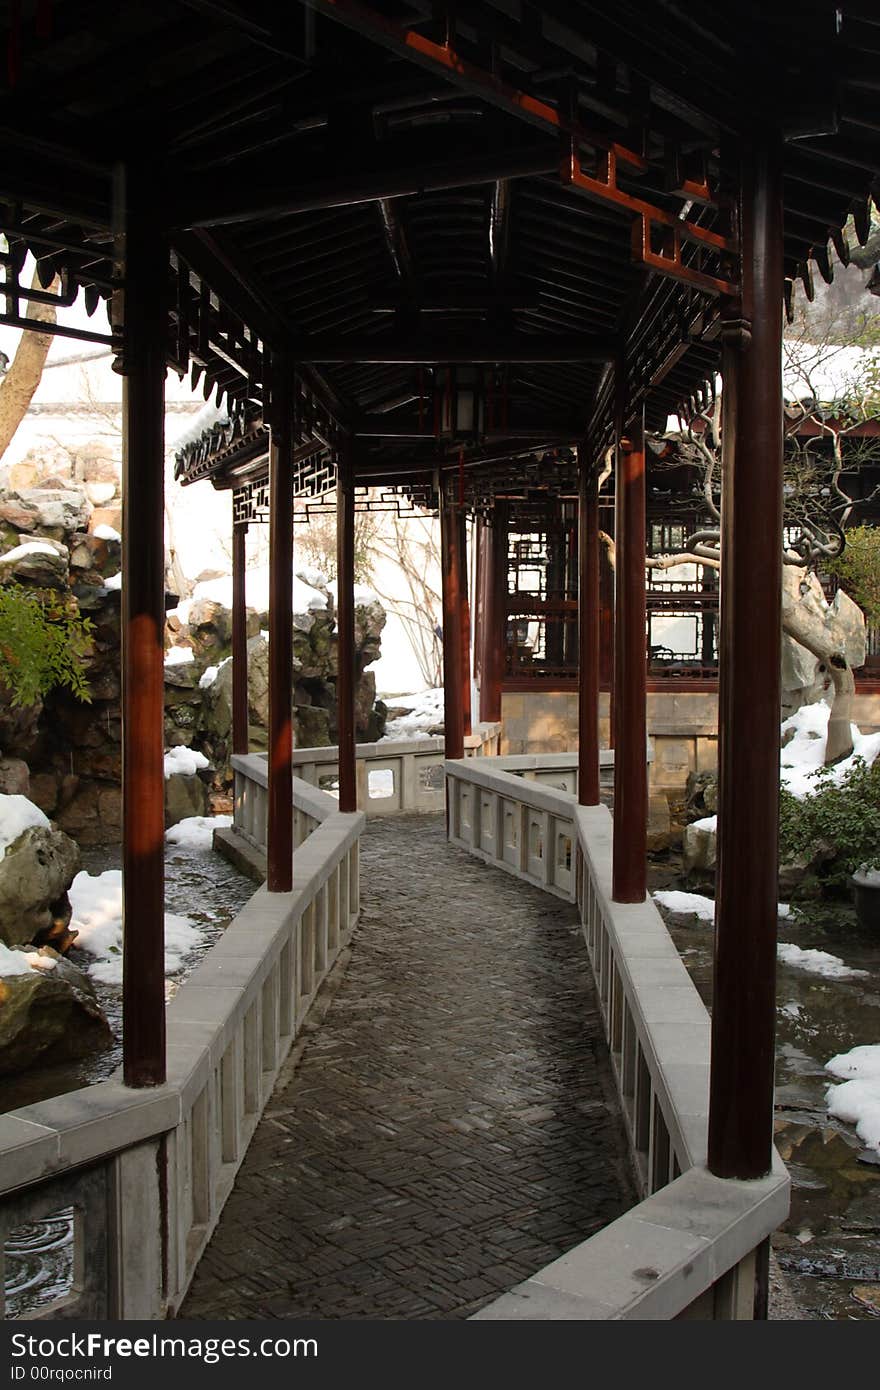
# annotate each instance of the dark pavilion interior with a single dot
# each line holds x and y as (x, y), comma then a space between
(465, 256)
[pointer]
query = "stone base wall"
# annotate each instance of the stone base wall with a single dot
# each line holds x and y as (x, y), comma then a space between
(682, 724)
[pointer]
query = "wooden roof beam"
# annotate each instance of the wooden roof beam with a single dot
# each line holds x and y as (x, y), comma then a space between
(213, 207)
(426, 348)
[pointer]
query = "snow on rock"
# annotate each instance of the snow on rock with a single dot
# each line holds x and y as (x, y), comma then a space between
(22, 962)
(306, 597)
(695, 904)
(816, 962)
(804, 753)
(210, 673)
(17, 814)
(114, 582)
(106, 533)
(857, 1101)
(197, 832)
(425, 710)
(184, 762)
(363, 594)
(179, 656)
(707, 823)
(97, 916)
(28, 548)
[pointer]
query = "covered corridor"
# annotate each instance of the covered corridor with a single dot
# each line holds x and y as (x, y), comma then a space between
(452, 1125)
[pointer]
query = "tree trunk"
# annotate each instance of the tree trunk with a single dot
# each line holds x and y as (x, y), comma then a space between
(23, 377)
(797, 624)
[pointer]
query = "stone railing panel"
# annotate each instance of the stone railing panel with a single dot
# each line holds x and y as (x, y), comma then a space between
(99, 1151)
(688, 1249)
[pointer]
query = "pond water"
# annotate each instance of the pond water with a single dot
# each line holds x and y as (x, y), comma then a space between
(200, 885)
(829, 1249)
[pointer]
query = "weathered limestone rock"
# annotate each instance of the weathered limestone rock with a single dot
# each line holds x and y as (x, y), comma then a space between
(842, 623)
(49, 1015)
(45, 568)
(35, 874)
(184, 796)
(15, 777)
(698, 849)
(47, 509)
(701, 795)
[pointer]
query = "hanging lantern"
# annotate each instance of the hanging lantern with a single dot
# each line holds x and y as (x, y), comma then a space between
(460, 403)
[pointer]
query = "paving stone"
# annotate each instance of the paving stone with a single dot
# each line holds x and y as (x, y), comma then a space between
(451, 1128)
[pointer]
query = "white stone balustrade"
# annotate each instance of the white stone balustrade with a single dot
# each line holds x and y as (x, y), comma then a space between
(689, 1248)
(111, 1153)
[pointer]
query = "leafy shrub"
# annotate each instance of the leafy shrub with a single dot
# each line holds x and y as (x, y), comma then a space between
(858, 569)
(42, 644)
(844, 817)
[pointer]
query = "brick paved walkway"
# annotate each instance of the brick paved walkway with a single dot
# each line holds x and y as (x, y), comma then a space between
(451, 1126)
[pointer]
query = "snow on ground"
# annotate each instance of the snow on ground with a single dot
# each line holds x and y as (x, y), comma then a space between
(179, 656)
(857, 1101)
(197, 832)
(17, 814)
(426, 710)
(816, 962)
(22, 962)
(184, 762)
(97, 917)
(804, 754)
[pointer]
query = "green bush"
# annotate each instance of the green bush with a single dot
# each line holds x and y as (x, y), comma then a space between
(858, 569)
(42, 644)
(845, 817)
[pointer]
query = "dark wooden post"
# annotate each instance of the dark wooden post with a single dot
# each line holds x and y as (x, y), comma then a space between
(744, 1008)
(345, 629)
(629, 869)
(279, 852)
(588, 632)
(450, 568)
(494, 620)
(465, 623)
(143, 632)
(239, 642)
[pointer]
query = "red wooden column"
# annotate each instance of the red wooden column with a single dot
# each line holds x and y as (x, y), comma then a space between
(143, 627)
(588, 632)
(744, 1008)
(279, 850)
(495, 615)
(239, 642)
(451, 571)
(345, 630)
(465, 609)
(629, 867)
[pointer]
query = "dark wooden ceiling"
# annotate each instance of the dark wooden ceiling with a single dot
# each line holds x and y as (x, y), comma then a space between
(381, 212)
